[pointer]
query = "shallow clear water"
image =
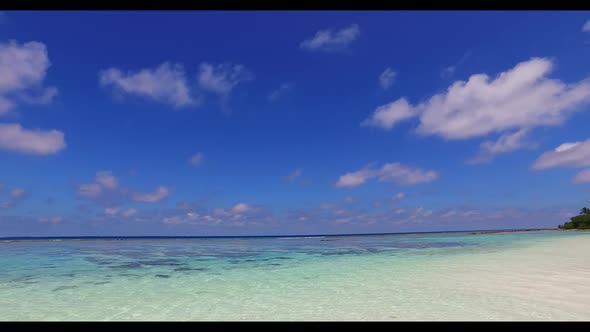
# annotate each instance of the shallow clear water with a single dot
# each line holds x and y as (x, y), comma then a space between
(446, 276)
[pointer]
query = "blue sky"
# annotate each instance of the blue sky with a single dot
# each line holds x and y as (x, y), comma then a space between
(249, 123)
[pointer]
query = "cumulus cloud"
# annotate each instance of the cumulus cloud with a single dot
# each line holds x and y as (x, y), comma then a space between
(106, 190)
(354, 179)
(14, 196)
(240, 214)
(295, 174)
(129, 212)
(449, 71)
(387, 78)
(396, 172)
(571, 155)
(161, 193)
(392, 172)
(112, 211)
(119, 212)
(23, 68)
(107, 180)
(582, 177)
(104, 181)
(399, 196)
(197, 159)
(330, 41)
(506, 143)
(168, 82)
(52, 220)
(522, 97)
(17, 193)
(242, 208)
(387, 116)
(517, 100)
(221, 79)
(13, 137)
(586, 26)
(448, 214)
(89, 190)
(575, 154)
(165, 84)
(280, 91)
(327, 206)
(42, 97)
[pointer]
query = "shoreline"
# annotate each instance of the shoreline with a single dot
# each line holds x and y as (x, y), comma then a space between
(536, 276)
(529, 230)
(4, 240)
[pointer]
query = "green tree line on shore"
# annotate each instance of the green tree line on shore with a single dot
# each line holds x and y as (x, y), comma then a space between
(581, 221)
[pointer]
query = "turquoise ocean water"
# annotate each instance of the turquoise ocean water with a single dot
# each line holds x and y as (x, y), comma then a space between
(437, 276)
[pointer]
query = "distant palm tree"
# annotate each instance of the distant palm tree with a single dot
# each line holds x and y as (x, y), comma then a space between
(585, 210)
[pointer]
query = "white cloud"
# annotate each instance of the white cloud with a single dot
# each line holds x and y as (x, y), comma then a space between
(387, 78)
(239, 215)
(103, 181)
(327, 206)
(586, 26)
(566, 146)
(582, 177)
(53, 220)
(280, 91)
(353, 179)
(399, 196)
(118, 211)
(13, 137)
(521, 98)
(340, 212)
(296, 173)
(396, 172)
(17, 193)
(575, 154)
(449, 71)
(129, 212)
(161, 193)
(328, 40)
(5, 105)
(112, 211)
(166, 83)
(221, 79)
(387, 116)
(392, 172)
(89, 189)
(448, 214)
(421, 212)
(506, 143)
(197, 159)
(43, 97)
(107, 180)
(23, 68)
(241, 208)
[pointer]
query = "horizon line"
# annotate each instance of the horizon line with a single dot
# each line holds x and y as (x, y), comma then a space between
(74, 237)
